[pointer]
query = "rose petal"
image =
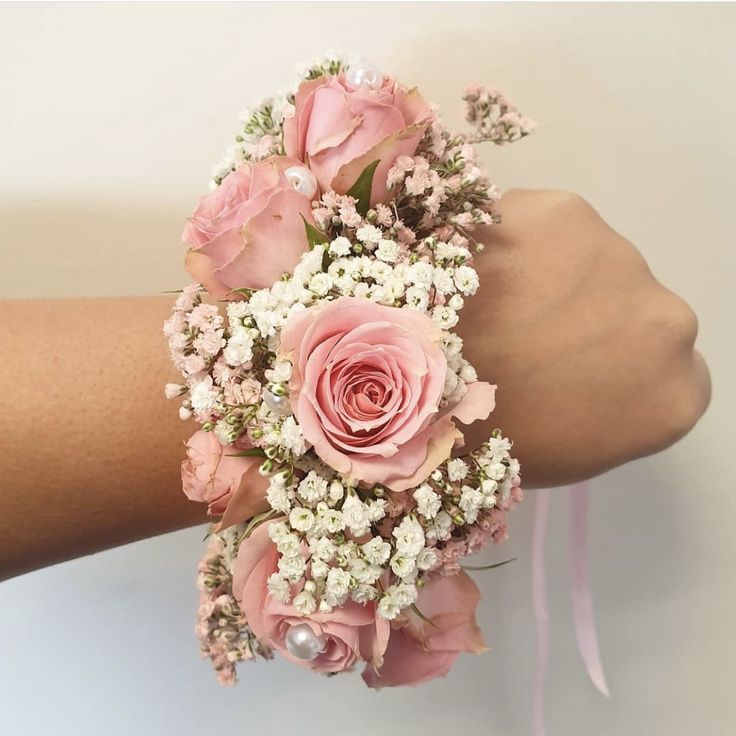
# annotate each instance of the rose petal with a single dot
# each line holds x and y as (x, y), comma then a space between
(374, 640)
(331, 122)
(376, 122)
(406, 663)
(273, 242)
(248, 500)
(400, 143)
(449, 603)
(250, 552)
(477, 403)
(422, 651)
(295, 127)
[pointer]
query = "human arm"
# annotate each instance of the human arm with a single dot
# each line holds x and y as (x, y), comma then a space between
(593, 358)
(90, 448)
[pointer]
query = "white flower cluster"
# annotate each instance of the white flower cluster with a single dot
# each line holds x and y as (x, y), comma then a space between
(328, 63)
(238, 352)
(464, 503)
(334, 545)
(259, 138)
(195, 335)
(329, 549)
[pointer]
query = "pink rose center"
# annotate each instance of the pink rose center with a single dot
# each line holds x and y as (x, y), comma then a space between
(365, 395)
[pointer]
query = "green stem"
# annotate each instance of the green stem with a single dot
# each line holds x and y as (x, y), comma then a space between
(488, 567)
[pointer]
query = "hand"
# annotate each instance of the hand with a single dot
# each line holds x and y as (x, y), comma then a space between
(593, 357)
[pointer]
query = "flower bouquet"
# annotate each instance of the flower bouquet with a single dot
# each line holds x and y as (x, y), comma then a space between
(330, 261)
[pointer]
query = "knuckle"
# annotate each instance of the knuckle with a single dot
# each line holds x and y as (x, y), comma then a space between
(569, 212)
(687, 323)
(677, 322)
(689, 398)
(569, 202)
(678, 377)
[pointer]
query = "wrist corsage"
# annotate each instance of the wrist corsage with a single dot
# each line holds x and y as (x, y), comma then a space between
(317, 351)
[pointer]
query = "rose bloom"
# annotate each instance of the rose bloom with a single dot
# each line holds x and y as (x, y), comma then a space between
(248, 231)
(231, 486)
(366, 387)
(419, 651)
(352, 632)
(340, 129)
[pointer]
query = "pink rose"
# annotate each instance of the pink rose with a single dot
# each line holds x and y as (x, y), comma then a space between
(248, 231)
(351, 632)
(231, 486)
(420, 651)
(366, 388)
(339, 129)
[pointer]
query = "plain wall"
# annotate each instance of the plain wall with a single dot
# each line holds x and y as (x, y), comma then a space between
(110, 119)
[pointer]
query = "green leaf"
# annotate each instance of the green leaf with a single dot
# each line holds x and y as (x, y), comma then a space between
(250, 452)
(361, 190)
(256, 521)
(314, 236)
(487, 567)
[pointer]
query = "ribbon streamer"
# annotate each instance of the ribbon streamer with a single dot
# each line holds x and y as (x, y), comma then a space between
(582, 603)
(541, 612)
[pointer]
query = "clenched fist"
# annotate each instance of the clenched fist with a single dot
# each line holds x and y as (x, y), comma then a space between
(593, 357)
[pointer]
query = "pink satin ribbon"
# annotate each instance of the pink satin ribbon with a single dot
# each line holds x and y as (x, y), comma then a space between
(582, 603)
(541, 613)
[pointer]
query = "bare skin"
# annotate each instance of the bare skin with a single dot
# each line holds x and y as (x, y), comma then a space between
(594, 360)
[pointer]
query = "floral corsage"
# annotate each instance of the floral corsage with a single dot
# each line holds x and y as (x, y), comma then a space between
(330, 261)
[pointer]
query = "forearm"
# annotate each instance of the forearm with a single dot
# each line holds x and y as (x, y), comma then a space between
(90, 448)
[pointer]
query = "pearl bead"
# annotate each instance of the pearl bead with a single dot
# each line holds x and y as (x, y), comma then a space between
(302, 642)
(302, 179)
(364, 75)
(277, 404)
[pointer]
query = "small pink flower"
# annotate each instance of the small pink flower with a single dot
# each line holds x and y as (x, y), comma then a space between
(366, 388)
(248, 231)
(193, 363)
(352, 632)
(478, 538)
(420, 651)
(230, 486)
(340, 129)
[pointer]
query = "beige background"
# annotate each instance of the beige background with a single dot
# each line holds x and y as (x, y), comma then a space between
(110, 119)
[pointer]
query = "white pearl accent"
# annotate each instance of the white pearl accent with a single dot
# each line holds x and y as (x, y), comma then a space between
(302, 642)
(278, 404)
(364, 75)
(302, 179)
